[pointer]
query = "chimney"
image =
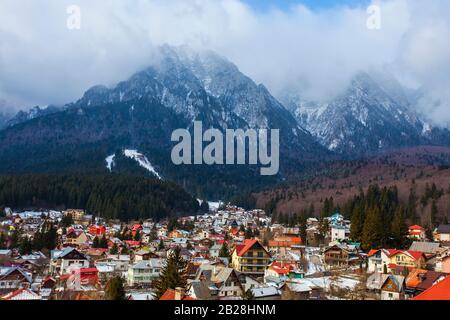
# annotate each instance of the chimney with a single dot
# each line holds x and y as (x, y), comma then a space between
(179, 293)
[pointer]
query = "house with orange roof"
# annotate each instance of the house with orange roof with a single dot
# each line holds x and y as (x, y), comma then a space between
(177, 294)
(439, 291)
(250, 257)
(283, 244)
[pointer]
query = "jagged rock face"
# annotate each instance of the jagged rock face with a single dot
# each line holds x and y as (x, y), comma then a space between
(141, 113)
(369, 117)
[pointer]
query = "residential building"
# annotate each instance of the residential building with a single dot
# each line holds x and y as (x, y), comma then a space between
(144, 272)
(442, 233)
(416, 232)
(250, 258)
(62, 261)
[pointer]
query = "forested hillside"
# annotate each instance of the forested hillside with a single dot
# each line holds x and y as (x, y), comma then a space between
(109, 196)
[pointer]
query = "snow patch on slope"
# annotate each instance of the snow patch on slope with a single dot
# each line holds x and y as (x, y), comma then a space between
(110, 162)
(142, 160)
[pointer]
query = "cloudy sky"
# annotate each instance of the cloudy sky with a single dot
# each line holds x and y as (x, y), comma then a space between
(313, 46)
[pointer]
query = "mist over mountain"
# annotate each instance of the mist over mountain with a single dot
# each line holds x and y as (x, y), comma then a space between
(141, 113)
(375, 114)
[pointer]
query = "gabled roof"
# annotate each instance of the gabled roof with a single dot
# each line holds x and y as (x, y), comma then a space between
(439, 291)
(21, 294)
(247, 245)
(60, 254)
(416, 227)
(426, 247)
(397, 279)
(4, 272)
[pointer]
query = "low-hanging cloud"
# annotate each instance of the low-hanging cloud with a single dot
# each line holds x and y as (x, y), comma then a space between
(315, 52)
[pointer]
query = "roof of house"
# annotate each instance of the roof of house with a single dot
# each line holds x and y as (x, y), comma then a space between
(282, 268)
(170, 295)
(414, 278)
(416, 227)
(247, 245)
(444, 228)
(397, 279)
(21, 294)
(426, 247)
(265, 292)
(440, 291)
(429, 278)
(201, 289)
(376, 280)
(6, 271)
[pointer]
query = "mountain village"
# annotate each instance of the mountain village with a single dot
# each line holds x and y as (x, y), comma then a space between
(226, 254)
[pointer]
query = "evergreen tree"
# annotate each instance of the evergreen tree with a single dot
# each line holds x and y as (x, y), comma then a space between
(173, 274)
(248, 233)
(66, 221)
(172, 225)
(103, 243)
(302, 228)
(324, 226)
(412, 204)
(248, 295)
(114, 249)
(125, 250)
(95, 242)
(399, 229)
(372, 236)
(26, 247)
(224, 251)
(2, 241)
(357, 224)
(161, 245)
(153, 234)
(433, 214)
(204, 207)
(114, 289)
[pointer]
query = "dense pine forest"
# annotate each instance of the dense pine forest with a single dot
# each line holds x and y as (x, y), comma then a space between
(379, 218)
(121, 197)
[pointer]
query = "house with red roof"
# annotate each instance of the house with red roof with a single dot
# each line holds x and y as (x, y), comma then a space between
(96, 230)
(393, 260)
(250, 257)
(416, 232)
(439, 291)
(21, 294)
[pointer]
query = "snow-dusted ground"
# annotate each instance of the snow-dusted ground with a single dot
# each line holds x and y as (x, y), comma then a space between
(315, 264)
(213, 206)
(325, 282)
(142, 160)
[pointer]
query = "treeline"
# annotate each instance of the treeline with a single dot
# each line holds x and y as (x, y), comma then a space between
(121, 197)
(379, 218)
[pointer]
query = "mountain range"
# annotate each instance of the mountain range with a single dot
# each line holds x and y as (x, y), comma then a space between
(99, 132)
